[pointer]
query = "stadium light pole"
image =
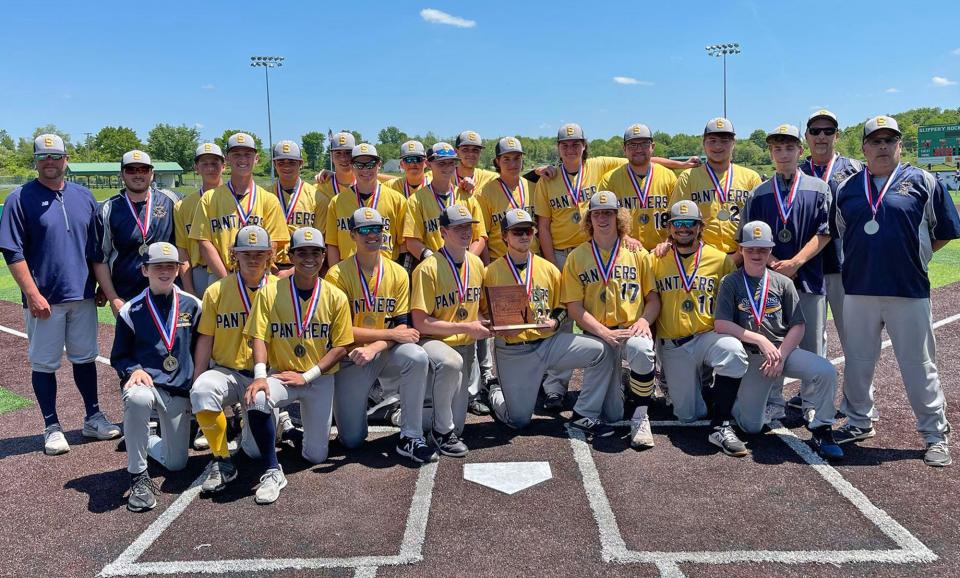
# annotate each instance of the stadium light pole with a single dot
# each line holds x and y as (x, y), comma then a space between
(268, 62)
(721, 51)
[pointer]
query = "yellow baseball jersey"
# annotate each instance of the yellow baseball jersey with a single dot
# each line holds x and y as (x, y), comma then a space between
(301, 214)
(619, 302)
(696, 185)
(480, 178)
(494, 204)
(273, 320)
(650, 219)
(392, 294)
(552, 200)
(391, 207)
(422, 218)
(217, 219)
(224, 317)
(325, 193)
(435, 293)
(544, 292)
(183, 222)
(400, 184)
(677, 319)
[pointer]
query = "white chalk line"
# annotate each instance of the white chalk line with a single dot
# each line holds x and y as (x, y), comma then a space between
(411, 547)
(14, 332)
(615, 550)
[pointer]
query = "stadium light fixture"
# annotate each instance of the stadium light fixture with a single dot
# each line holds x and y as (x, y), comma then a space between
(721, 51)
(267, 62)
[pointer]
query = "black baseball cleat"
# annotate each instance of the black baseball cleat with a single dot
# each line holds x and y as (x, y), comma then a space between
(591, 426)
(553, 402)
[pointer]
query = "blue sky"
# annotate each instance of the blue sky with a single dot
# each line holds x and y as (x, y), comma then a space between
(497, 67)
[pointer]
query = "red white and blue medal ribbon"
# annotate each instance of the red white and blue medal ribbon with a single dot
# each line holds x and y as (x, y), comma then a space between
(723, 192)
(758, 307)
(251, 202)
(642, 193)
(242, 290)
(443, 201)
(461, 282)
(828, 170)
(785, 206)
(303, 320)
(168, 330)
(336, 184)
(370, 295)
(509, 195)
(868, 187)
(526, 282)
(375, 198)
(294, 197)
(143, 225)
(606, 269)
(688, 279)
(406, 186)
(573, 190)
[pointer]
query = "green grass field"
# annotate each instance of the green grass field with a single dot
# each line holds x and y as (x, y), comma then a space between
(10, 401)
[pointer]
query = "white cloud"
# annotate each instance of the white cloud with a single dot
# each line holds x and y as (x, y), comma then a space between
(942, 81)
(631, 80)
(818, 107)
(197, 125)
(955, 52)
(208, 87)
(892, 90)
(439, 17)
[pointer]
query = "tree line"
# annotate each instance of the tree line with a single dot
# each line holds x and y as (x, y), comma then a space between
(166, 142)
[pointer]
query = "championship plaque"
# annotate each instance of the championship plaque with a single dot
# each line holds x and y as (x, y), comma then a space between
(509, 309)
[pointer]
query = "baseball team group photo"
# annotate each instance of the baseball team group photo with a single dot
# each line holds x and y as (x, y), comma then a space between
(687, 348)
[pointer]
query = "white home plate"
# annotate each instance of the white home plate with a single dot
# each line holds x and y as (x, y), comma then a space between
(508, 477)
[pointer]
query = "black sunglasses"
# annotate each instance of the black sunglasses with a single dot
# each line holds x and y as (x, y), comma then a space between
(414, 160)
(366, 165)
(830, 131)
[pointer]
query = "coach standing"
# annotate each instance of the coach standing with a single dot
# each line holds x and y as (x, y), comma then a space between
(892, 217)
(48, 238)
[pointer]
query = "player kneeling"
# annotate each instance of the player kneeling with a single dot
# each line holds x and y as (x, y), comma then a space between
(152, 354)
(608, 294)
(445, 308)
(687, 278)
(302, 326)
(378, 291)
(761, 308)
(524, 356)
(226, 308)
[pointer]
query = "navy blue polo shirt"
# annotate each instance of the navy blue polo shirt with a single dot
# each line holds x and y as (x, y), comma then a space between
(121, 237)
(137, 343)
(809, 217)
(55, 233)
(915, 211)
(842, 169)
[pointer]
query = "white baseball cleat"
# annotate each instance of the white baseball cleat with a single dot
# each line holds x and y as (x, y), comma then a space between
(271, 483)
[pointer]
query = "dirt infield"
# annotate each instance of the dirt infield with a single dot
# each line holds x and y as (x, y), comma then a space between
(680, 509)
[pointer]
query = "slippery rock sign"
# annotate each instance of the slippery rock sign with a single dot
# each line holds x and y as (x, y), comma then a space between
(508, 477)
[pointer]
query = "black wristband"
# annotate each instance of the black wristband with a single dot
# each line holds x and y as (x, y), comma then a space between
(559, 314)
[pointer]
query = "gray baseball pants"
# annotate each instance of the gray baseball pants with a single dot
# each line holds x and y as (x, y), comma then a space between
(682, 363)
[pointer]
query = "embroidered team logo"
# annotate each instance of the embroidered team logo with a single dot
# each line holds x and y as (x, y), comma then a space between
(207, 147)
(286, 147)
(570, 130)
(252, 238)
(363, 148)
(241, 138)
(342, 140)
(757, 233)
(137, 156)
(368, 214)
(823, 112)
(881, 121)
(719, 123)
(308, 235)
(511, 142)
(683, 209)
(185, 317)
(47, 142)
(783, 128)
(904, 188)
(411, 147)
(159, 211)
(472, 136)
(603, 198)
(463, 211)
(165, 249)
(521, 214)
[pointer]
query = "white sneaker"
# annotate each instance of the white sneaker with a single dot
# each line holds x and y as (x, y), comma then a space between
(808, 414)
(200, 442)
(641, 437)
(284, 424)
(97, 426)
(271, 483)
(54, 443)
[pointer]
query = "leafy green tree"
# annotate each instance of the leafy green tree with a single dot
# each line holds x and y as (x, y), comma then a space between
(759, 138)
(313, 148)
(111, 142)
(6, 141)
(173, 143)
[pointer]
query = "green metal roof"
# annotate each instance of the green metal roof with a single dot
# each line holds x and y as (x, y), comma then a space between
(114, 168)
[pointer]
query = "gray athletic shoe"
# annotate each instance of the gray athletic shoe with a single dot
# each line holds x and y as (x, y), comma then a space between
(850, 433)
(220, 472)
(54, 443)
(143, 493)
(449, 444)
(641, 438)
(271, 483)
(724, 438)
(938, 454)
(97, 426)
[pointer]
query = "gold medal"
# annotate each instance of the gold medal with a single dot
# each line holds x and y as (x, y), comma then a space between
(688, 305)
(785, 235)
(299, 350)
(461, 313)
(170, 363)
